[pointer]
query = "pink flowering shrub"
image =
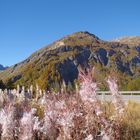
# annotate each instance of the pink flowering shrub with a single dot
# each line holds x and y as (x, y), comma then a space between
(117, 100)
(75, 116)
(8, 123)
(29, 125)
(89, 97)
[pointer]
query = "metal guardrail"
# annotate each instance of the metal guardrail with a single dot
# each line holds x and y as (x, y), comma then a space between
(126, 95)
(121, 92)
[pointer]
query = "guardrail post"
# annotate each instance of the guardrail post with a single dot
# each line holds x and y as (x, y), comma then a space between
(103, 97)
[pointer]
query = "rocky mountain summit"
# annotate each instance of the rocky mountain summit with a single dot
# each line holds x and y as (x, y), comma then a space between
(59, 61)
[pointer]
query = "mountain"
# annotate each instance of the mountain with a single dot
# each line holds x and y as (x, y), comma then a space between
(131, 40)
(59, 61)
(2, 67)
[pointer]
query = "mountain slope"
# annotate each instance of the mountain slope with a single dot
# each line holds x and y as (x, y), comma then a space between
(61, 60)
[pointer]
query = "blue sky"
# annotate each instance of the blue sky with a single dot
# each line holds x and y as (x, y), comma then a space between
(27, 25)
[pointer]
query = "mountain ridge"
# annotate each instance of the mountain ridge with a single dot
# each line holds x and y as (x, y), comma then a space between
(130, 40)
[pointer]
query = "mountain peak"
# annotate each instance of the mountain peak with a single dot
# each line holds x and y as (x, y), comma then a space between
(83, 34)
(81, 38)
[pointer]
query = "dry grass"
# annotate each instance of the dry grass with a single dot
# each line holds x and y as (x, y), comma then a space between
(130, 124)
